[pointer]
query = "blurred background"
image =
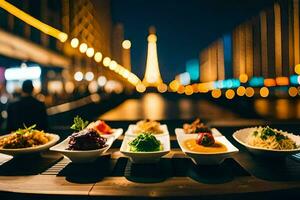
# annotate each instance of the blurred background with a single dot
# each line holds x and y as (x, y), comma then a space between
(129, 60)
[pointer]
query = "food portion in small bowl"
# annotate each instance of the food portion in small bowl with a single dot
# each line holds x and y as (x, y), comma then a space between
(147, 126)
(27, 140)
(88, 142)
(203, 145)
(145, 147)
(145, 142)
(267, 141)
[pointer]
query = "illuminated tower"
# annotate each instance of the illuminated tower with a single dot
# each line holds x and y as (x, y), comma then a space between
(152, 76)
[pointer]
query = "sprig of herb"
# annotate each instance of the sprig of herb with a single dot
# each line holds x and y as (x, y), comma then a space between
(26, 129)
(79, 124)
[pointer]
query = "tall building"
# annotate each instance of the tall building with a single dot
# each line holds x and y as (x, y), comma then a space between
(152, 77)
(266, 45)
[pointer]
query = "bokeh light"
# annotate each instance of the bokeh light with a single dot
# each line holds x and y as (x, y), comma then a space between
(249, 92)
(293, 91)
(216, 93)
(264, 92)
(113, 65)
(106, 61)
(98, 57)
(297, 69)
(229, 94)
(90, 52)
(101, 81)
(241, 91)
(89, 76)
(74, 43)
(78, 76)
(126, 44)
(141, 87)
(174, 85)
(180, 89)
(83, 47)
(162, 88)
(243, 78)
(188, 90)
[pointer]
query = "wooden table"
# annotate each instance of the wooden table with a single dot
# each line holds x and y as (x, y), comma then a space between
(175, 176)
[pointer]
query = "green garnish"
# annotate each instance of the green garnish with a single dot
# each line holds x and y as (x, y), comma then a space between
(26, 129)
(79, 124)
(145, 142)
(268, 132)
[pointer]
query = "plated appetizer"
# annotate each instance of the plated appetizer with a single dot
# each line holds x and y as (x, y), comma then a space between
(88, 142)
(27, 140)
(145, 147)
(266, 137)
(148, 126)
(268, 141)
(204, 145)
(87, 137)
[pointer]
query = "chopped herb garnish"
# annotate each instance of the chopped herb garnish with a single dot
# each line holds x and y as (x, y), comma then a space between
(26, 129)
(79, 124)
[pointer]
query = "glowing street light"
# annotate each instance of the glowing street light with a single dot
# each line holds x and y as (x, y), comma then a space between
(106, 61)
(264, 92)
(90, 52)
(89, 76)
(98, 57)
(74, 43)
(113, 65)
(126, 44)
(78, 76)
(83, 47)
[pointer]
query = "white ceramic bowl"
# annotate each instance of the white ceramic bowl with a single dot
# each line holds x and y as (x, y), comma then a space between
(30, 150)
(77, 156)
(145, 157)
(204, 158)
(132, 127)
(242, 135)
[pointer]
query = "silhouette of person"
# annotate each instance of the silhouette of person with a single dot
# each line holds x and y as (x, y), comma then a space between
(26, 110)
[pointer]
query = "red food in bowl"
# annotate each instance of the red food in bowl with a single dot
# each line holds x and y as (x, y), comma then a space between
(205, 139)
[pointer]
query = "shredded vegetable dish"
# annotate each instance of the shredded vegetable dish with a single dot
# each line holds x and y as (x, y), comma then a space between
(24, 138)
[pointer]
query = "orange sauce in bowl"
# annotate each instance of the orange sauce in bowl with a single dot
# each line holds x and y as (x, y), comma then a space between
(217, 147)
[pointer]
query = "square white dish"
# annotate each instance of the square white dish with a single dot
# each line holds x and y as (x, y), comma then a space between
(146, 157)
(131, 127)
(77, 156)
(203, 158)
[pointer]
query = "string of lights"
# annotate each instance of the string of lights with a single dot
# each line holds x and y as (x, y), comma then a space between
(75, 43)
(240, 87)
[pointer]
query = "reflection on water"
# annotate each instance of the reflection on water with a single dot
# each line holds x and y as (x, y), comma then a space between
(153, 106)
(279, 108)
(186, 108)
(157, 107)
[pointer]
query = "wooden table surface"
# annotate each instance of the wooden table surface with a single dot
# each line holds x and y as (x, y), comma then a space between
(175, 176)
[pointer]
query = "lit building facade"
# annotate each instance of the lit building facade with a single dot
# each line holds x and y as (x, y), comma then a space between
(267, 45)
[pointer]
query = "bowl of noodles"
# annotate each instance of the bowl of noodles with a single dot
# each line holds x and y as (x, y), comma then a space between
(266, 141)
(26, 141)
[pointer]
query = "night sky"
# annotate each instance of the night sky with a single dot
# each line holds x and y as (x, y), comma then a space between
(184, 27)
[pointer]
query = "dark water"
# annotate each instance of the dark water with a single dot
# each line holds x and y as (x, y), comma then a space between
(158, 107)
